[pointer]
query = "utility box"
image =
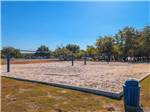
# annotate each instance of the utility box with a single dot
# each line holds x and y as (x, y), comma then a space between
(131, 92)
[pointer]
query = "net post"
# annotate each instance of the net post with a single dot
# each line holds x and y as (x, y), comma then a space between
(8, 60)
(72, 60)
(85, 59)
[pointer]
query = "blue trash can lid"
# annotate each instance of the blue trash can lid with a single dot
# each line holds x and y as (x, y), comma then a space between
(132, 82)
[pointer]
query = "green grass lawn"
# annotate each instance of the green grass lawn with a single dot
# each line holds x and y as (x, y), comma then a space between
(20, 96)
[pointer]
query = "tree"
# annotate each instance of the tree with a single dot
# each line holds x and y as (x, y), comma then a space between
(126, 38)
(104, 46)
(145, 41)
(73, 48)
(117, 51)
(62, 53)
(43, 51)
(91, 51)
(14, 53)
(80, 54)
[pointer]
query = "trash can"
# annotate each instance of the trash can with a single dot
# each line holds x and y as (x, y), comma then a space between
(131, 92)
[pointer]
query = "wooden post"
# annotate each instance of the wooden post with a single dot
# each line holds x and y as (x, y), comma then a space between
(8, 60)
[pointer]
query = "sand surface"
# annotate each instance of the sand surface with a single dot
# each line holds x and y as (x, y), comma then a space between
(97, 75)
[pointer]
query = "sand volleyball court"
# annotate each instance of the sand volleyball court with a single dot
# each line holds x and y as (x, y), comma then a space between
(95, 75)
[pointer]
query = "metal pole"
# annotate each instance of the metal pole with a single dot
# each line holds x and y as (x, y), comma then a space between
(85, 59)
(72, 60)
(8, 60)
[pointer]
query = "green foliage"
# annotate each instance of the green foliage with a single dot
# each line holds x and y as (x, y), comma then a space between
(127, 42)
(80, 54)
(126, 37)
(105, 46)
(14, 53)
(91, 51)
(62, 53)
(43, 51)
(73, 48)
(134, 43)
(117, 51)
(144, 41)
(65, 52)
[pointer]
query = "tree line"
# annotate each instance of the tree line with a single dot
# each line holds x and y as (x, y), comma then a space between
(128, 44)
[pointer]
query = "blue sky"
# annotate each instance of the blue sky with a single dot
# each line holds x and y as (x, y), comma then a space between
(27, 25)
